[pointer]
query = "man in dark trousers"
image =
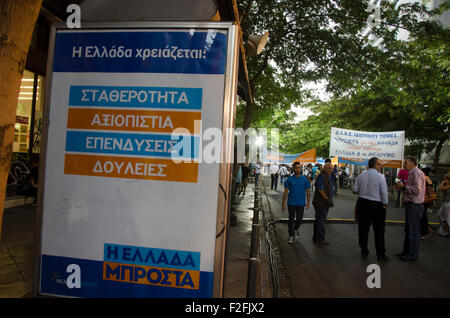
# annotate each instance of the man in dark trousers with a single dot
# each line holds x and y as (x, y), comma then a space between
(371, 207)
(322, 201)
(296, 186)
(413, 197)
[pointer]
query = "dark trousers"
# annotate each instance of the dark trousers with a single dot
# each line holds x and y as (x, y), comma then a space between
(425, 227)
(371, 212)
(274, 182)
(335, 186)
(319, 223)
(413, 217)
(399, 193)
(295, 212)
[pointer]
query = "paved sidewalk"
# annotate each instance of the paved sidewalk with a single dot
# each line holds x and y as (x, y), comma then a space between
(238, 251)
(18, 239)
(17, 252)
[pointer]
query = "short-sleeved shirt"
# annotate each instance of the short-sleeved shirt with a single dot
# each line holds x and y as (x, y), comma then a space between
(320, 183)
(297, 190)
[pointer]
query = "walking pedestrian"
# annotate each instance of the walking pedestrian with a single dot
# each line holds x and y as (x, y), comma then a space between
(334, 177)
(295, 188)
(238, 180)
(284, 174)
(413, 198)
(402, 177)
(274, 169)
(372, 193)
(444, 212)
(245, 173)
(322, 202)
(388, 179)
(309, 174)
(430, 197)
(257, 171)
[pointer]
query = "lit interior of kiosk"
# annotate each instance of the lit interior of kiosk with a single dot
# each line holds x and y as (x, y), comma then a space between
(28, 126)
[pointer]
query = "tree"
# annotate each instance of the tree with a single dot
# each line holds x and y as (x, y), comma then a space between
(17, 20)
(411, 92)
(314, 40)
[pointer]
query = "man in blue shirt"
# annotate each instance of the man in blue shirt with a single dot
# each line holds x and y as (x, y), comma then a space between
(295, 188)
(372, 193)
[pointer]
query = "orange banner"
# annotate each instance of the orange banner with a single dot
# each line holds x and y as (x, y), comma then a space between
(131, 120)
(131, 168)
(306, 157)
(392, 163)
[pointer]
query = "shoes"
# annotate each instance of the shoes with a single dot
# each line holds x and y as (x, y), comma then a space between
(322, 242)
(382, 258)
(408, 258)
(291, 240)
(296, 233)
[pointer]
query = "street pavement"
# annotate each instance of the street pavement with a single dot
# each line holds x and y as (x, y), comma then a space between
(337, 270)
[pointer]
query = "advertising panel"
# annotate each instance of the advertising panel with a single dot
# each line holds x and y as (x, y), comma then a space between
(129, 208)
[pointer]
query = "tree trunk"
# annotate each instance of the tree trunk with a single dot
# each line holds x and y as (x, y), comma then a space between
(437, 153)
(17, 21)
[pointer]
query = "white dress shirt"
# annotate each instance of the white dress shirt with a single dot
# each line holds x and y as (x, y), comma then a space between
(274, 169)
(371, 185)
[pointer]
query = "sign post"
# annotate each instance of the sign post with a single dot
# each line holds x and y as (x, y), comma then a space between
(129, 208)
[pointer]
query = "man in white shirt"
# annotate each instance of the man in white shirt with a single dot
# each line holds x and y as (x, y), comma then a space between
(274, 168)
(284, 174)
(257, 171)
(371, 207)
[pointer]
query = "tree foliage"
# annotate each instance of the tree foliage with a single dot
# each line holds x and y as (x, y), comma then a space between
(315, 40)
(377, 82)
(410, 93)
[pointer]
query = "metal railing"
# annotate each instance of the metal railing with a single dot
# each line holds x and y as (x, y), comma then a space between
(254, 263)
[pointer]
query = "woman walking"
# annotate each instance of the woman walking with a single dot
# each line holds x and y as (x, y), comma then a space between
(444, 213)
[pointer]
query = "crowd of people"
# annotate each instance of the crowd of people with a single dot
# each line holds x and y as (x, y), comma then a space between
(416, 192)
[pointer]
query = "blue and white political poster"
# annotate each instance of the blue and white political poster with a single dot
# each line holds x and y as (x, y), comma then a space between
(357, 147)
(120, 218)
